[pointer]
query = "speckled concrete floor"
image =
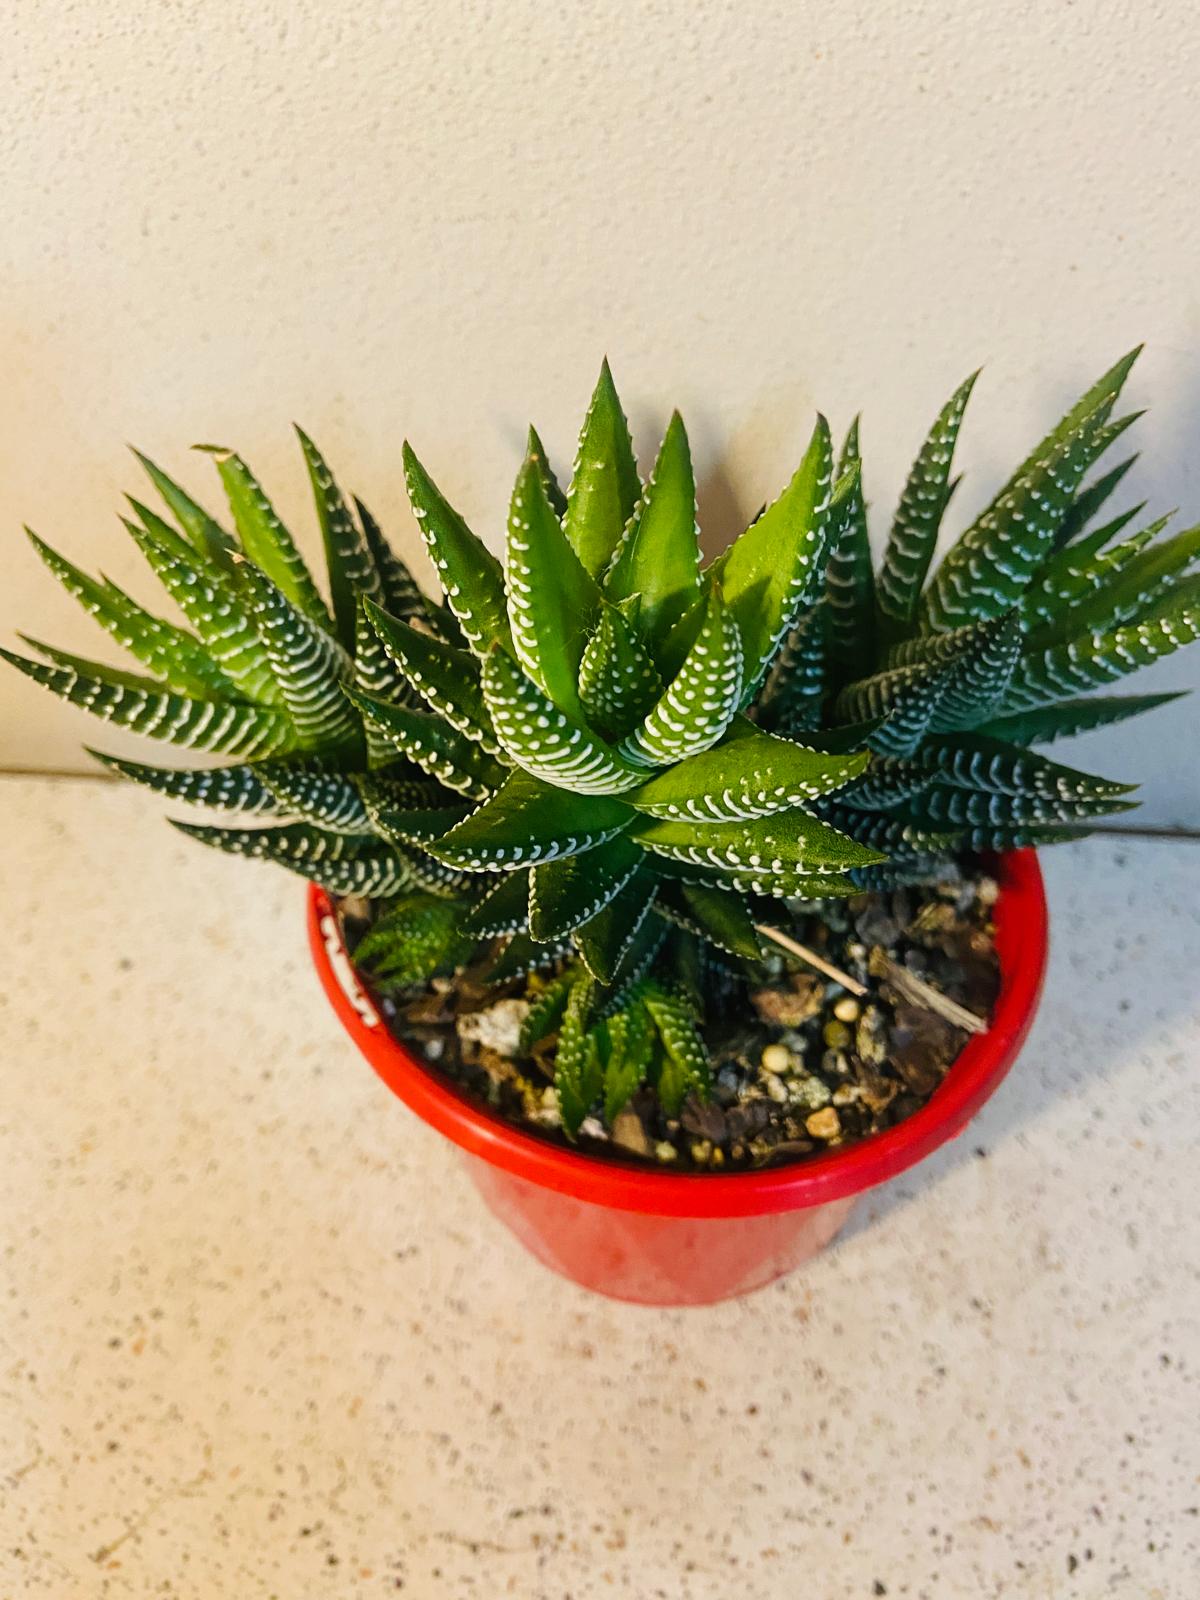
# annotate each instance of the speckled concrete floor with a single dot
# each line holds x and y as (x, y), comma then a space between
(257, 1337)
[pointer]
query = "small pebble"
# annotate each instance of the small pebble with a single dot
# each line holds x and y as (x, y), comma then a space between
(847, 1009)
(664, 1150)
(837, 1035)
(776, 1088)
(777, 1058)
(824, 1124)
(812, 1093)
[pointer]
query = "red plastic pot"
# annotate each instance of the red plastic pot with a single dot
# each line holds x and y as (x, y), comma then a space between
(672, 1238)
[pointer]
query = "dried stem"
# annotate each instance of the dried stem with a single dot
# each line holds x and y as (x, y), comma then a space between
(803, 953)
(919, 993)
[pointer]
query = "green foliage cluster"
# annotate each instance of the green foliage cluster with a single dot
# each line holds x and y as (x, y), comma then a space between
(607, 763)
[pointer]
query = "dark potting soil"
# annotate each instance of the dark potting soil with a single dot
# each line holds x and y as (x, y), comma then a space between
(799, 1064)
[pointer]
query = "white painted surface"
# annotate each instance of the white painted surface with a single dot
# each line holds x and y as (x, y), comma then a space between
(259, 1338)
(432, 218)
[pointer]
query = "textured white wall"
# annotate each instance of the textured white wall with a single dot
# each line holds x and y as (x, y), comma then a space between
(432, 218)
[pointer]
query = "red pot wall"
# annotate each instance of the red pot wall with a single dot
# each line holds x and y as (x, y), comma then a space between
(669, 1238)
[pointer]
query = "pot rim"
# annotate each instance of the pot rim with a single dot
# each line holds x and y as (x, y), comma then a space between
(626, 1185)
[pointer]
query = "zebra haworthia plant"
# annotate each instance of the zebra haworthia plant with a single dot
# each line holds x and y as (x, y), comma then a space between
(603, 767)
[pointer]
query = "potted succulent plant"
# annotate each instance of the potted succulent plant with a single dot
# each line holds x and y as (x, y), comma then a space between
(690, 901)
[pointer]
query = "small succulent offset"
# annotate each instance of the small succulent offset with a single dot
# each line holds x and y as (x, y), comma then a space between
(604, 769)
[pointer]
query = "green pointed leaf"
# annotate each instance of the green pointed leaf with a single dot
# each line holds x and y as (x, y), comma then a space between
(886, 834)
(546, 1009)
(176, 657)
(1141, 575)
(470, 574)
(699, 703)
(607, 941)
(352, 572)
(1066, 718)
(618, 682)
(528, 821)
(205, 535)
(213, 602)
(400, 595)
(552, 600)
(236, 789)
(771, 572)
(416, 827)
(1079, 569)
(578, 1075)
(433, 745)
(658, 556)
(264, 539)
(977, 762)
(918, 519)
(686, 1069)
(750, 774)
(796, 689)
(788, 841)
(447, 679)
(504, 909)
(536, 451)
(985, 573)
(568, 891)
(1092, 660)
(317, 793)
(1089, 500)
(522, 955)
(376, 674)
(631, 1051)
(605, 486)
(977, 681)
(946, 807)
(408, 944)
(849, 576)
(342, 863)
(722, 917)
(309, 666)
(537, 736)
(1101, 397)
(229, 727)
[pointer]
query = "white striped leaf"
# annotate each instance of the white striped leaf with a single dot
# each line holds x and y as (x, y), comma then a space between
(226, 727)
(552, 600)
(432, 744)
(773, 569)
(264, 539)
(538, 737)
(237, 790)
(571, 890)
(618, 682)
(445, 678)
(702, 699)
(470, 575)
(918, 519)
(749, 774)
(342, 863)
(352, 572)
(658, 556)
(204, 533)
(789, 841)
(604, 484)
(526, 822)
(212, 601)
(309, 665)
(170, 653)
(986, 571)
